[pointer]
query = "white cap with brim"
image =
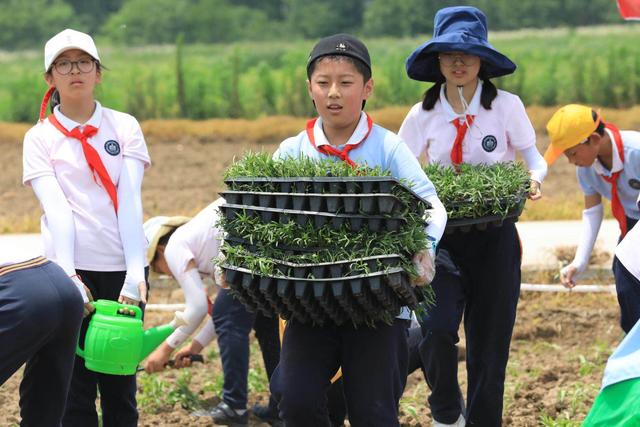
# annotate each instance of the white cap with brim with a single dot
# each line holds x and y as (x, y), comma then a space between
(159, 226)
(66, 40)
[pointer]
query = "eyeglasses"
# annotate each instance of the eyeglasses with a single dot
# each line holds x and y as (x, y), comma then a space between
(448, 59)
(64, 66)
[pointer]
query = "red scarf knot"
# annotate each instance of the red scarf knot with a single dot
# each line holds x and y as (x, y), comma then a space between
(91, 156)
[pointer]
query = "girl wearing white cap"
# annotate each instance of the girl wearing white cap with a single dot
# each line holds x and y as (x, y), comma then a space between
(464, 118)
(85, 164)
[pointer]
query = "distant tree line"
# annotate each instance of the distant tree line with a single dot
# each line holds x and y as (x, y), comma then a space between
(28, 23)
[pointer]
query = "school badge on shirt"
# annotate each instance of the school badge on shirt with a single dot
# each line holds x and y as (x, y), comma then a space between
(489, 143)
(112, 147)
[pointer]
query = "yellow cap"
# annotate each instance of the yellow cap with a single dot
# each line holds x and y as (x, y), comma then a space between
(569, 126)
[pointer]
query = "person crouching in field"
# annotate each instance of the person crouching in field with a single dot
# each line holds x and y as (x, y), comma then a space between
(185, 249)
(85, 164)
(40, 317)
(373, 359)
(608, 165)
(464, 118)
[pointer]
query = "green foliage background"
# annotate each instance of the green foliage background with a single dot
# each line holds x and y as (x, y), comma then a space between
(595, 65)
(30, 23)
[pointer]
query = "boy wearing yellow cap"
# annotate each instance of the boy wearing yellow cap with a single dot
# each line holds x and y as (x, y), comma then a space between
(608, 164)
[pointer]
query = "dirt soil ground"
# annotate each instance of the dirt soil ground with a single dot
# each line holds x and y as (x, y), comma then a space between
(187, 175)
(560, 345)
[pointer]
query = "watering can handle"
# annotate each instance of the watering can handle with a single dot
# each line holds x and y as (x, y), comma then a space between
(80, 351)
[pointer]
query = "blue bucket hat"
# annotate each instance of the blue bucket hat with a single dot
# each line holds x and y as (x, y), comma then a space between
(459, 29)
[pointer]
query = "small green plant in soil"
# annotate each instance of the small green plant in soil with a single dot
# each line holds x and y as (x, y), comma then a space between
(474, 191)
(159, 395)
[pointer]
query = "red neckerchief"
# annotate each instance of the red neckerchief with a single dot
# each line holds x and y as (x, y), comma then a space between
(461, 128)
(209, 305)
(330, 150)
(91, 156)
(616, 205)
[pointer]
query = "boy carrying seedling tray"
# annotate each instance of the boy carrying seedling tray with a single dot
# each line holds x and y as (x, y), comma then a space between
(373, 358)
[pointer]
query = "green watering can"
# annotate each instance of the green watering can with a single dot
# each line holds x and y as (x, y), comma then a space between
(115, 342)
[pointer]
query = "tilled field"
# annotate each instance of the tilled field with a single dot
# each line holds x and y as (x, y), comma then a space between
(560, 345)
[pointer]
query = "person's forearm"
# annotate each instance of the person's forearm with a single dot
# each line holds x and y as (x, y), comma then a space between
(437, 218)
(535, 162)
(591, 221)
(196, 302)
(205, 336)
(130, 225)
(59, 217)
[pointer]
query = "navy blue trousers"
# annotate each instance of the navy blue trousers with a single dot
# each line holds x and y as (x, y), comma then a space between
(478, 276)
(628, 293)
(40, 315)
(233, 324)
(117, 392)
(627, 289)
(374, 367)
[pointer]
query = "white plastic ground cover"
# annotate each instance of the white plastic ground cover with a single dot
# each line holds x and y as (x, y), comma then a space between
(527, 287)
(611, 289)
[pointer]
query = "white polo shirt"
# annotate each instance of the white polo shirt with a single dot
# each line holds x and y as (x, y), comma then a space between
(628, 251)
(494, 136)
(198, 240)
(591, 181)
(47, 152)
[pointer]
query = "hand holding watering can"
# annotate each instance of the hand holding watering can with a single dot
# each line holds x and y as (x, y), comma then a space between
(115, 341)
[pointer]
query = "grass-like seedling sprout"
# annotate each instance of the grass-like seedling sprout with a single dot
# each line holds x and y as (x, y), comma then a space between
(474, 191)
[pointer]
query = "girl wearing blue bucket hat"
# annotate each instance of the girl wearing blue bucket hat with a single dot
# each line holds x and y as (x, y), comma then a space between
(465, 118)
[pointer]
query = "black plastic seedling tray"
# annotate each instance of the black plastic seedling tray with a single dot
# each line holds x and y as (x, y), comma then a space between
(340, 268)
(361, 299)
(465, 225)
(362, 203)
(324, 185)
(375, 223)
(255, 247)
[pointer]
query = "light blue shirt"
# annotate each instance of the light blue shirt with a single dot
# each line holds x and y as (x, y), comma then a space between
(382, 148)
(591, 181)
(624, 363)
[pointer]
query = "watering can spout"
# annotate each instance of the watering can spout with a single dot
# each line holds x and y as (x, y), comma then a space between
(153, 337)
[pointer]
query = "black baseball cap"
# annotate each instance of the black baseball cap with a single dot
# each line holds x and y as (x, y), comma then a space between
(340, 44)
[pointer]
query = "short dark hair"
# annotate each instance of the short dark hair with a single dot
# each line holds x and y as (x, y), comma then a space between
(162, 242)
(600, 129)
(165, 239)
(361, 67)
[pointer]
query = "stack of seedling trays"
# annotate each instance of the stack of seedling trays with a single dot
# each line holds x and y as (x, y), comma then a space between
(321, 249)
(480, 196)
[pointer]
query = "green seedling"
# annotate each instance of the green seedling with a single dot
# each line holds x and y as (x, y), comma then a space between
(474, 191)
